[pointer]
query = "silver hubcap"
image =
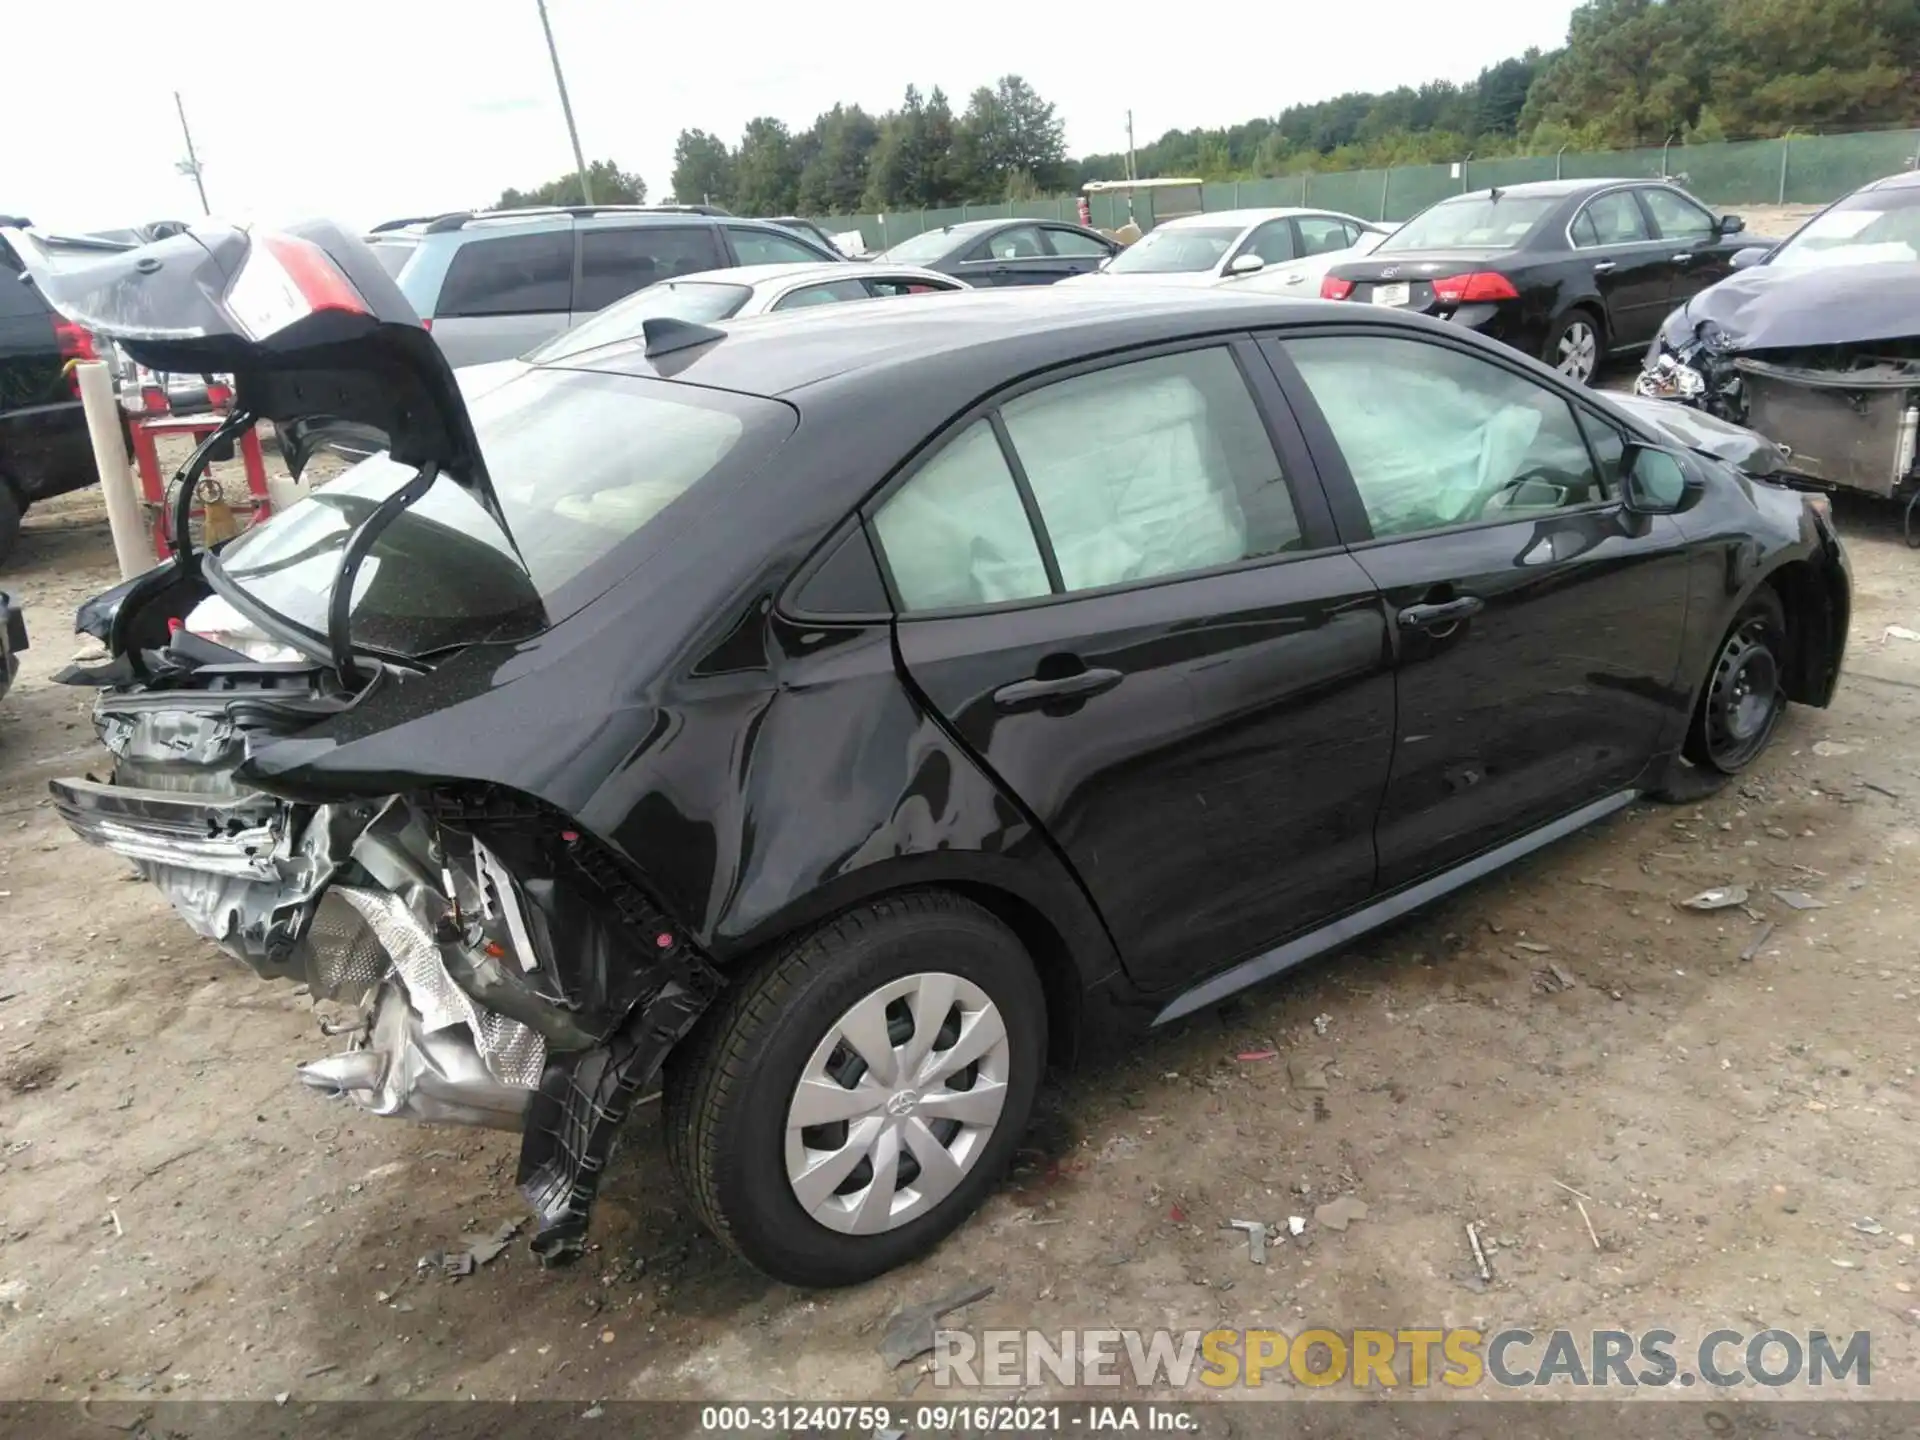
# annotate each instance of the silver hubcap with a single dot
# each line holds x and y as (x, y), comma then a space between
(896, 1103)
(1579, 351)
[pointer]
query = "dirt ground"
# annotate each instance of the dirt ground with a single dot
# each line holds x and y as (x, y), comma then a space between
(178, 1218)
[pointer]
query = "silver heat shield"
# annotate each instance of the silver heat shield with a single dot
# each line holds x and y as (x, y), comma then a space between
(514, 1053)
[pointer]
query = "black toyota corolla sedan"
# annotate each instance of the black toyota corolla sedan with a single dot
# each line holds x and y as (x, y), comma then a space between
(1570, 271)
(843, 714)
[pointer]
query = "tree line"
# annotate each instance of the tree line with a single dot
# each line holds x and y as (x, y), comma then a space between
(1632, 73)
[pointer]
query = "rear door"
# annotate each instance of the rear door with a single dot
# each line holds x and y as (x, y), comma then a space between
(1537, 623)
(503, 294)
(1632, 268)
(1698, 257)
(616, 260)
(1120, 587)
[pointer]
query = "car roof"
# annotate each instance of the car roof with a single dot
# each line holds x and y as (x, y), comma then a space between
(1905, 180)
(1558, 189)
(1009, 331)
(1244, 218)
(757, 275)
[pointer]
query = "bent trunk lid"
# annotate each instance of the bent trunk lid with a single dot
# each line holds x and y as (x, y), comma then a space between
(306, 320)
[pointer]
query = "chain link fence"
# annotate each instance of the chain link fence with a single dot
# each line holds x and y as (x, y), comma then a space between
(1793, 170)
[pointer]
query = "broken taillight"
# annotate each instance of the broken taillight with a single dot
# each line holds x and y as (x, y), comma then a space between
(285, 279)
(1476, 288)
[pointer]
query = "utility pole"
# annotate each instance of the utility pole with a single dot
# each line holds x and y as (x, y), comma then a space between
(190, 165)
(566, 107)
(1131, 175)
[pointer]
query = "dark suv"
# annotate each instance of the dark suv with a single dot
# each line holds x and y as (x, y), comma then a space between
(44, 449)
(493, 284)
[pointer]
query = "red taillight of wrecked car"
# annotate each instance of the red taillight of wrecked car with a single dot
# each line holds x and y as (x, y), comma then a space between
(285, 279)
(1478, 287)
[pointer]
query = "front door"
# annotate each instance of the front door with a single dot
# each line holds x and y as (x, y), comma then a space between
(1136, 615)
(1537, 623)
(1700, 256)
(1632, 268)
(1013, 256)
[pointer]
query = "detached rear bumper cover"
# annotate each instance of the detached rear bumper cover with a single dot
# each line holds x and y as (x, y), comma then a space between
(508, 971)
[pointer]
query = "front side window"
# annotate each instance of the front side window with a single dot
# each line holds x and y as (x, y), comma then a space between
(1613, 219)
(1272, 242)
(1020, 243)
(617, 262)
(1677, 217)
(1072, 242)
(509, 275)
(892, 286)
(1147, 469)
(1435, 437)
(764, 247)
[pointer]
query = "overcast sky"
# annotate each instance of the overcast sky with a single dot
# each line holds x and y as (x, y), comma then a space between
(370, 109)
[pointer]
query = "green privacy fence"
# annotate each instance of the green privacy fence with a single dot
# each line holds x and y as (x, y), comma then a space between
(1794, 170)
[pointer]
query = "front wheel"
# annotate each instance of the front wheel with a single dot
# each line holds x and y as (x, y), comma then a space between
(1745, 695)
(1575, 347)
(859, 1096)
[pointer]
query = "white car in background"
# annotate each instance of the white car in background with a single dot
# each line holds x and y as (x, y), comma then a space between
(709, 295)
(1238, 246)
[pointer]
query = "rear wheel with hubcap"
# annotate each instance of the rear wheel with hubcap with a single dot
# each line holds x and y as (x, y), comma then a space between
(858, 1096)
(1745, 694)
(1575, 347)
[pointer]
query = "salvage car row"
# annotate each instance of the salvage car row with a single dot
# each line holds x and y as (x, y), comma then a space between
(1091, 654)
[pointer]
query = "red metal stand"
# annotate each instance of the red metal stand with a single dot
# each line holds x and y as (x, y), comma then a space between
(147, 430)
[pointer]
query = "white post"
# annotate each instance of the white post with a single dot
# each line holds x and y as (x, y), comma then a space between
(116, 476)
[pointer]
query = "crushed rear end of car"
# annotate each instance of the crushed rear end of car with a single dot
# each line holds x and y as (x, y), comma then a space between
(376, 821)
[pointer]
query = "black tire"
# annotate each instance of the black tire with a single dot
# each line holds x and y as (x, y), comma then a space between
(9, 520)
(729, 1086)
(1578, 336)
(1744, 695)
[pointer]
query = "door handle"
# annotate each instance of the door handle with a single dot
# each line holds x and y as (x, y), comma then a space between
(1026, 694)
(1447, 612)
(1603, 267)
(1686, 259)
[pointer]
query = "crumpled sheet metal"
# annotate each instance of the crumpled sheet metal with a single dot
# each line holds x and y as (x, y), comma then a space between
(514, 1053)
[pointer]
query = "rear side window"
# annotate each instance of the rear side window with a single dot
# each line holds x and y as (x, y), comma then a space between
(1272, 242)
(509, 275)
(1611, 220)
(614, 263)
(1151, 468)
(831, 293)
(1322, 234)
(766, 247)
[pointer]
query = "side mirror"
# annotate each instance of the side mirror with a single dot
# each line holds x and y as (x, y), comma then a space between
(1245, 265)
(1657, 482)
(1751, 256)
(1732, 224)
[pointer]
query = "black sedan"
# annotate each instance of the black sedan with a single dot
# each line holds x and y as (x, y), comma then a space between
(1570, 271)
(1006, 252)
(1087, 660)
